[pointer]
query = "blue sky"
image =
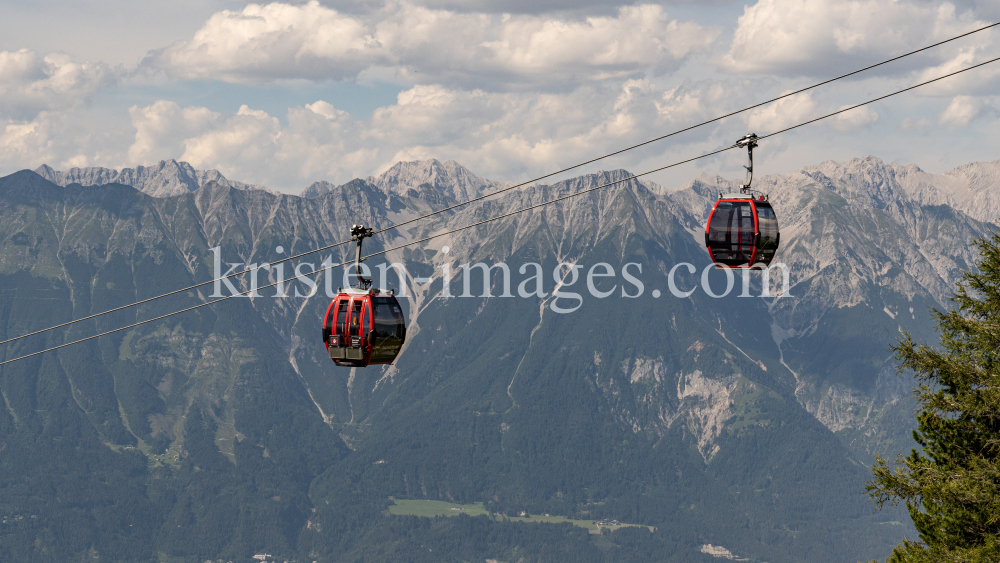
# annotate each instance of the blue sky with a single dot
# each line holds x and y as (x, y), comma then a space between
(285, 94)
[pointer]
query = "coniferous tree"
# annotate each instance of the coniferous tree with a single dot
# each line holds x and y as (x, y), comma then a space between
(952, 486)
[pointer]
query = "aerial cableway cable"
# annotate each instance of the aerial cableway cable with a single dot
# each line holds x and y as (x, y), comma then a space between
(522, 184)
(512, 213)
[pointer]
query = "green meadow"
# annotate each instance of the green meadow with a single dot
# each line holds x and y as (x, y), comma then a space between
(432, 508)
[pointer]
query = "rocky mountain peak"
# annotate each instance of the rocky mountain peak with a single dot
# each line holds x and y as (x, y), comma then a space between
(317, 189)
(449, 177)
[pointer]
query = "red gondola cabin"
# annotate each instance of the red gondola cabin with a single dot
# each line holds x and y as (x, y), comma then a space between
(363, 327)
(742, 232)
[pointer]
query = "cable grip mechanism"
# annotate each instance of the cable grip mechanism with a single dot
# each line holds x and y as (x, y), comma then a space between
(358, 234)
(750, 142)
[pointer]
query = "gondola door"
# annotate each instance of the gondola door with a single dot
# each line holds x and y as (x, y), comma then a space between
(353, 326)
(730, 234)
(335, 329)
(768, 236)
(388, 329)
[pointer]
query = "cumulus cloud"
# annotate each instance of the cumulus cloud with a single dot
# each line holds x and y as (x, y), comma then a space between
(204, 138)
(22, 143)
(264, 43)
(59, 139)
(801, 108)
(820, 37)
(962, 110)
(783, 113)
(248, 136)
(983, 80)
(31, 83)
(164, 127)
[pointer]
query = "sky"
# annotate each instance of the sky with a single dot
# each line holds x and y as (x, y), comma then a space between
(287, 94)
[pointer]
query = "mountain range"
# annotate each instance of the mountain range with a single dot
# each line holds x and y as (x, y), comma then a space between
(734, 426)
(973, 188)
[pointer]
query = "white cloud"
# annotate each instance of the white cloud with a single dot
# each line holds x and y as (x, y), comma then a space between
(783, 113)
(249, 144)
(31, 83)
(22, 144)
(983, 80)
(801, 108)
(821, 37)
(65, 139)
(275, 41)
(264, 43)
(962, 110)
(247, 137)
(164, 127)
(205, 139)
(854, 120)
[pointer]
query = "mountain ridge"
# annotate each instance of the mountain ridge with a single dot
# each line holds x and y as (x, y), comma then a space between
(165, 179)
(405, 178)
